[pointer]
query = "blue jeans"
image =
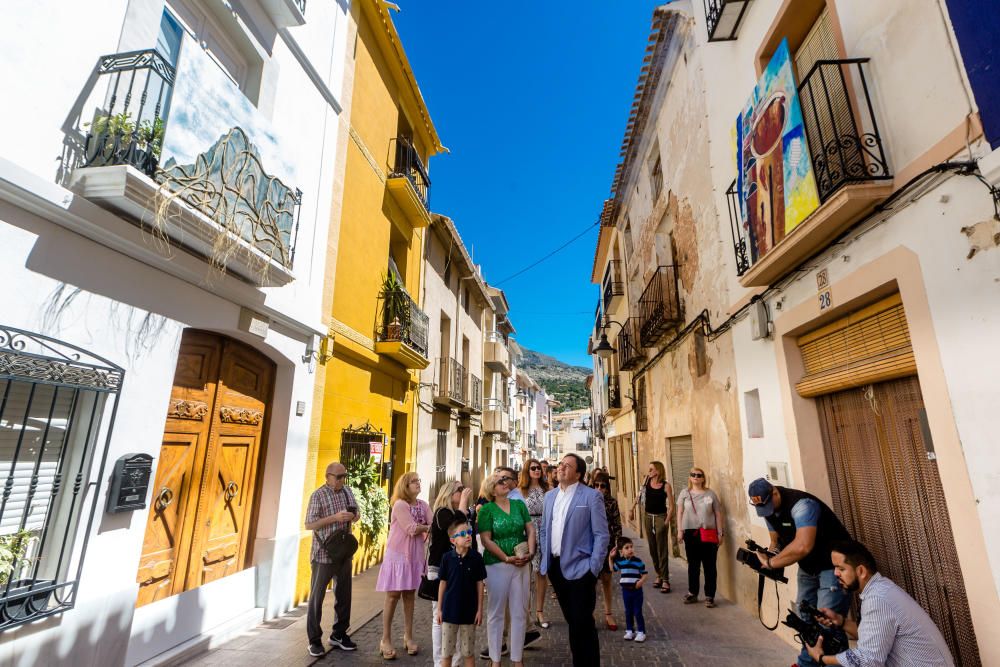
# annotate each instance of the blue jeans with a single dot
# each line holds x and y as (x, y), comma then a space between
(632, 597)
(821, 590)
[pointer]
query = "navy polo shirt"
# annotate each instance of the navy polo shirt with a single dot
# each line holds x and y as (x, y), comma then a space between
(461, 596)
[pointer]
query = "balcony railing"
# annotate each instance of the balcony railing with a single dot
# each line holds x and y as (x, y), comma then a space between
(598, 322)
(495, 418)
(409, 165)
(129, 128)
(475, 396)
(630, 352)
(614, 392)
(614, 285)
(840, 124)
(451, 382)
(402, 321)
(497, 356)
(723, 18)
(842, 135)
(659, 306)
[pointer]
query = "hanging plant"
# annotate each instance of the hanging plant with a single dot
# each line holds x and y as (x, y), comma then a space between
(373, 502)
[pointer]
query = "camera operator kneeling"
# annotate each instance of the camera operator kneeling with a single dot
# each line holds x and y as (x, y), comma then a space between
(894, 629)
(804, 529)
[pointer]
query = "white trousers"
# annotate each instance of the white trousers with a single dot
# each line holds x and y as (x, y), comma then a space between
(508, 590)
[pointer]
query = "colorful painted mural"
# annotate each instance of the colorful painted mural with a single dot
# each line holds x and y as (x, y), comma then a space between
(777, 187)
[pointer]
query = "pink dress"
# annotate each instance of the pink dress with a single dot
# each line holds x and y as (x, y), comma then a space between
(404, 561)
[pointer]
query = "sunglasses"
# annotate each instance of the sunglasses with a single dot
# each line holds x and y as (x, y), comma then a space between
(342, 475)
(602, 485)
(697, 475)
(461, 533)
(534, 468)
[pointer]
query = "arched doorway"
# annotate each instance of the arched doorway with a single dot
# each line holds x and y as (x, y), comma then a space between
(204, 499)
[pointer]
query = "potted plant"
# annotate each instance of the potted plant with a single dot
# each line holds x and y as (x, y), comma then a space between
(117, 139)
(396, 306)
(23, 598)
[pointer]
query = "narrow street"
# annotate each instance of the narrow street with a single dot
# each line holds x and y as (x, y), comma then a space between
(678, 634)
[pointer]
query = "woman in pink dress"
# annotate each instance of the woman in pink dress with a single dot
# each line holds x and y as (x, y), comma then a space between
(404, 562)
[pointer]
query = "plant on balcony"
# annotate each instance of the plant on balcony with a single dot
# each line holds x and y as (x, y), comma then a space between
(373, 503)
(118, 139)
(396, 306)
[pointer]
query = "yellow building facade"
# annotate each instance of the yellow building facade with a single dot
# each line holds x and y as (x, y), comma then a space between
(368, 370)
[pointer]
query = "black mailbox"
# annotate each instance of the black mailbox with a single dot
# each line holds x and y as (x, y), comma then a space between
(129, 483)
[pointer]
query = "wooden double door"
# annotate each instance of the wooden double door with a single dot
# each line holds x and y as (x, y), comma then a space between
(203, 501)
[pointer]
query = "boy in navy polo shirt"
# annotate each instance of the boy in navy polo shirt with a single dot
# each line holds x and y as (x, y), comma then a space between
(633, 574)
(460, 595)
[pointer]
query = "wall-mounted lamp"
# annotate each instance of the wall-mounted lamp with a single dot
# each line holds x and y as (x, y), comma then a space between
(318, 349)
(604, 349)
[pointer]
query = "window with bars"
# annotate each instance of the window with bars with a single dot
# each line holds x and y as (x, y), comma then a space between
(356, 443)
(56, 401)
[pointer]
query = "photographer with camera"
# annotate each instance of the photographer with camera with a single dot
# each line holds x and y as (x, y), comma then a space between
(894, 629)
(803, 530)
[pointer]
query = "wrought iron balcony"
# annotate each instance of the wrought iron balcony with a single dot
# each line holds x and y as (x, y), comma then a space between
(409, 184)
(450, 385)
(495, 417)
(402, 329)
(614, 283)
(497, 356)
(475, 394)
(659, 306)
(129, 129)
(614, 393)
(723, 18)
(598, 322)
(630, 352)
(846, 149)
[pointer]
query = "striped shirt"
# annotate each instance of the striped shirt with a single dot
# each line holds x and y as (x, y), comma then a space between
(631, 569)
(895, 631)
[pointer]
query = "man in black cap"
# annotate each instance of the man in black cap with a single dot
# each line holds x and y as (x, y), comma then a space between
(803, 531)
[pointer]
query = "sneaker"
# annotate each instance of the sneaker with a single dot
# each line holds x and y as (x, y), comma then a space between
(640, 636)
(531, 636)
(343, 642)
(317, 650)
(629, 635)
(485, 653)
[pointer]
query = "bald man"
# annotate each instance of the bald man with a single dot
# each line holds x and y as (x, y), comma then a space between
(331, 507)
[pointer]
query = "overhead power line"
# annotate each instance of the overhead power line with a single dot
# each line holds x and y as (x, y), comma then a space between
(545, 257)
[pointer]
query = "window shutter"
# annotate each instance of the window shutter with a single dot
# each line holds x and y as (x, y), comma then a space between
(871, 345)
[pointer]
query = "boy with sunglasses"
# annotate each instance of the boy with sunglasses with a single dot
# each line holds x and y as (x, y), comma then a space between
(460, 595)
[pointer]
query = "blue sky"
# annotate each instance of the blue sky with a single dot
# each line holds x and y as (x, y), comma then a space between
(532, 100)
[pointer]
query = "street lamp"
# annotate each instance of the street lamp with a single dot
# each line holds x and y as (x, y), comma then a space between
(604, 349)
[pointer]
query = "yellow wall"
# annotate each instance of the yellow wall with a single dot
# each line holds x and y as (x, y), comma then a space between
(357, 385)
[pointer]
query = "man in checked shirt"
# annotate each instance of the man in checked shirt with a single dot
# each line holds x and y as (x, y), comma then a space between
(894, 630)
(331, 507)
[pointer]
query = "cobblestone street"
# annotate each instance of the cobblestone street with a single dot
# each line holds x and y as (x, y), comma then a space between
(678, 634)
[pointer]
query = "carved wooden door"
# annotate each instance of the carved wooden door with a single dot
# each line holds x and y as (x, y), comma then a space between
(200, 515)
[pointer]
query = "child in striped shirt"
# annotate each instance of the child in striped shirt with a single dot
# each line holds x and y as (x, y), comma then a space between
(633, 574)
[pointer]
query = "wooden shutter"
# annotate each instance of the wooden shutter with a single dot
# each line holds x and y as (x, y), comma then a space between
(870, 345)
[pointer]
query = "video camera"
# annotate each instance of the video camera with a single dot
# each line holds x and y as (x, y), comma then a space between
(749, 558)
(809, 631)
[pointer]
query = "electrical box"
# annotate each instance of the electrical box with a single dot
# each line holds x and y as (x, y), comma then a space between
(759, 325)
(777, 473)
(129, 483)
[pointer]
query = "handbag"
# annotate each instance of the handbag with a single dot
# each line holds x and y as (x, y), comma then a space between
(708, 535)
(341, 545)
(428, 588)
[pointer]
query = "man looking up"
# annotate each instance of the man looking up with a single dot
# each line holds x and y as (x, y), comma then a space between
(803, 530)
(331, 507)
(574, 541)
(894, 629)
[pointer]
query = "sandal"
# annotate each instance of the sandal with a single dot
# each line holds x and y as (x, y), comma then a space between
(710, 602)
(386, 653)
(657, 583)
(611, 624)
(665, 587)
(542, 623)
(690, 598)
(411, 649)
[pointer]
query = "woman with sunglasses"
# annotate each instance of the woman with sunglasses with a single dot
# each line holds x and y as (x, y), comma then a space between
(602, 482)
(451, 505)
(701, 520)
(508, 537)
(533, 487)
(657, 498)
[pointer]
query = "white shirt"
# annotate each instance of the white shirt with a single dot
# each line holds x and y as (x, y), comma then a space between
(559, 510)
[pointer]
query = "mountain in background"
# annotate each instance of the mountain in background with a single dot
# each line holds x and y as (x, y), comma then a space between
(561, 381)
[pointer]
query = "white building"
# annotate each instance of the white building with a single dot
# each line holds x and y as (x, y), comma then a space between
(117, 315)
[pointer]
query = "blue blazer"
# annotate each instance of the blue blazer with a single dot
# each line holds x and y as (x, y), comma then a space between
(585, 533)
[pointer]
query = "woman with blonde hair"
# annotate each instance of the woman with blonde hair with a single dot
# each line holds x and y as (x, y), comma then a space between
(533, 487)
(450, 505)
(700, 520)
(403, 564)
(658, 504)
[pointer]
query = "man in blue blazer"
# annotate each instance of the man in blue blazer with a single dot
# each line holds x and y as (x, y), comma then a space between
(574, 542)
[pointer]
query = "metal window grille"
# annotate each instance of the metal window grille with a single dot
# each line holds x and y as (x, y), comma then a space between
(56, 402)
(355, 443)
(659, 306)
(441, 465)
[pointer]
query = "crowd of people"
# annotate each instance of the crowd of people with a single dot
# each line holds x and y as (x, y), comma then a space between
(485, 562)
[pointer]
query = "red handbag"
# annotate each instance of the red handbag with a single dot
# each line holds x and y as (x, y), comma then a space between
(709, 535)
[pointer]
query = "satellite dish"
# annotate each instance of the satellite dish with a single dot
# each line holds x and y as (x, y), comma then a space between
(589, 460)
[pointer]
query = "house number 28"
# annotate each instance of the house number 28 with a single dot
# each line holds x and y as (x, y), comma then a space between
(825, 300)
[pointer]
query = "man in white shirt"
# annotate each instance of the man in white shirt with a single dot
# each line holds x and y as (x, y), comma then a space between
(894, 630)
(574, 542)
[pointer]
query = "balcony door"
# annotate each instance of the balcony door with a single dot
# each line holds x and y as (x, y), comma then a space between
(203, 501)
